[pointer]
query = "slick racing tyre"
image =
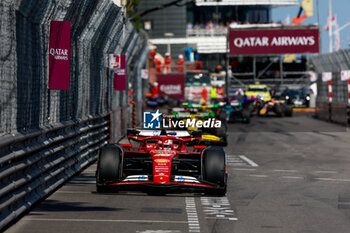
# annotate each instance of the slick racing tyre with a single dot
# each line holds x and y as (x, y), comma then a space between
(223, 116)
(214, 169)
(245, 116)
(221, 132)
(288, 111)
(279, 111)
(108, 167)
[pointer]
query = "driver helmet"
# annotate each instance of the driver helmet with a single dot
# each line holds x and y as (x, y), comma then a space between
(168, 144)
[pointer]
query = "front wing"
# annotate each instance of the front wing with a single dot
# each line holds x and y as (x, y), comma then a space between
(172, 185)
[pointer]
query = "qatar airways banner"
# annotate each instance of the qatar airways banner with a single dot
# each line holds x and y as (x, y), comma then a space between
(120, 75)
(172, 85)
(273, 41)
(59, 55)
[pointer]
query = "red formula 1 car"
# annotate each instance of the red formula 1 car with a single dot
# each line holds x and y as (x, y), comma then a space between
(162, 160)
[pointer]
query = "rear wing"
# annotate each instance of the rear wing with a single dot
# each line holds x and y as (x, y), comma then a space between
(164, 132)
(186, 136)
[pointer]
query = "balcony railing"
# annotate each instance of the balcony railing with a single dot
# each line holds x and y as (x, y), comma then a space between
(201, 32)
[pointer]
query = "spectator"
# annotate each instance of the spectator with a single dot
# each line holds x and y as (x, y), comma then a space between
(233, 23)
(158, 65)
(167, 61)
(210, 24)
(180, 63)
(199, 65)
(189, 25)
(155, 90)
(151, 59)
(213, 92)
(273, 92)
(204, 94)
(218, 69)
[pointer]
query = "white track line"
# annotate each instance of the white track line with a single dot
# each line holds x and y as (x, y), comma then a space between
(263, 176)
(217, 208)
(192, 216)
(244, 169)
(159, 231)
(280, 170)
(330, 179)
(251, 163)
(101, 220)
(327, 172)
(231, 219)
(292, 177)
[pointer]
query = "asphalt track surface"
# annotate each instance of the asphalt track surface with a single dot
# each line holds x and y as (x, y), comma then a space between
(285, 175)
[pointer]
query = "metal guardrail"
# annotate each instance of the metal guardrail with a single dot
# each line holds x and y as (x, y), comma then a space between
(34, 165)
(337, 110)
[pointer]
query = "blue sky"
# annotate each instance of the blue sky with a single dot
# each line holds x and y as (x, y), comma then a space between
(339, 7)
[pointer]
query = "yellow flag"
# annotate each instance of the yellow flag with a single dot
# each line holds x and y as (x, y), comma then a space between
(307, 5)
(289, 58)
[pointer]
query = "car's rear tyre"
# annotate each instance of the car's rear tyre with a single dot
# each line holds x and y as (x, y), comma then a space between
(288, 111)
(108, 167)
(245, 116)
(279, 111)
(221, 132)
(223, 116)
(214, 169)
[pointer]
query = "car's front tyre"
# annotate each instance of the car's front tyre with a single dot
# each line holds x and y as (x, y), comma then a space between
(214, 169)
(108, 166)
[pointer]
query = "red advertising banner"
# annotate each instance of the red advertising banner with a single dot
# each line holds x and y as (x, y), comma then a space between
(172, 85)
(59, 55)
(273, 41)
(120, 75)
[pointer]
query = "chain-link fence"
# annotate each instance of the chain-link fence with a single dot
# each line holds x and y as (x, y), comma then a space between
(98, 28)
(47, 136)
(332, 97)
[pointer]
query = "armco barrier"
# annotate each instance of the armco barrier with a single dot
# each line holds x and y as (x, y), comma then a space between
(336, 109)
(339, 113)
(41, 157)
(323, 110)
(34, 165)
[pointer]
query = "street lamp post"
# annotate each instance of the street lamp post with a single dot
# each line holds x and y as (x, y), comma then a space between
(169, 35)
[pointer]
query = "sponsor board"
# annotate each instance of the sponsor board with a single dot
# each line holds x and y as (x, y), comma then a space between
(120, 75)
(345, 75)
(313, 77)
(326, 76)
(172, 85)
(114, 61)
(154, 120)
(59, 55)
(273, 41)
(144, 74)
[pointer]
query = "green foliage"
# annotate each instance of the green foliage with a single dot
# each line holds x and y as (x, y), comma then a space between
(131, 13)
